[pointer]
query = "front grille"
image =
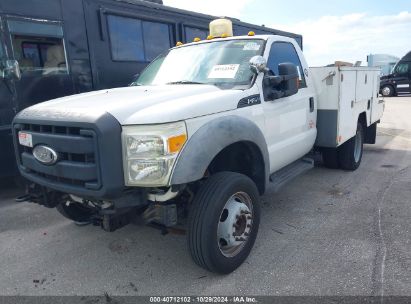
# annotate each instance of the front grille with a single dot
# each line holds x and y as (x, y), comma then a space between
(77, 166)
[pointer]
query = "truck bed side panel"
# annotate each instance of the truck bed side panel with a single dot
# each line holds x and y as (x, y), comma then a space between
(343, 94)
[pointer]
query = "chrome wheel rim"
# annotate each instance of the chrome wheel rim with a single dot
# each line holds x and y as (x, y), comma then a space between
(357, 147)
(235, 224)
(386, 91)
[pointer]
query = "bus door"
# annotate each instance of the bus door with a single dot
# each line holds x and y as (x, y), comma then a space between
(39, 48)
(33, 66)
(9, 74)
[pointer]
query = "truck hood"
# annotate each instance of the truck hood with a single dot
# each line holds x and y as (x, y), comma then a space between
(142, 104)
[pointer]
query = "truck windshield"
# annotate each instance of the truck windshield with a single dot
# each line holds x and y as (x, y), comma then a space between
(221, 63)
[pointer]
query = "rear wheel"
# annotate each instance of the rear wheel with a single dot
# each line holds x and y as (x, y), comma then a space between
(350, 153)
(223, 222)
(76, 212)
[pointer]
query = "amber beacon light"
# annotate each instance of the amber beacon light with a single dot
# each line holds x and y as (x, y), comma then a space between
(221, 28)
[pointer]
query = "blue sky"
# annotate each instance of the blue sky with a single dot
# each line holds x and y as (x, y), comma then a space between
(332, 30)
(286, 12)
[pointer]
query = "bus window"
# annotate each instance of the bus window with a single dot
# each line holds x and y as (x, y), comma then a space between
(137, 40)
(38, 47)
(192, 32)
(2, 54)
(156, 39)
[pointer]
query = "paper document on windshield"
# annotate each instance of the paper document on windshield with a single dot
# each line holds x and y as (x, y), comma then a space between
(224, 71)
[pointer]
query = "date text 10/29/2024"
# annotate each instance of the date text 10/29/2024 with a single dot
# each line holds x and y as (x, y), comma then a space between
(204, 299)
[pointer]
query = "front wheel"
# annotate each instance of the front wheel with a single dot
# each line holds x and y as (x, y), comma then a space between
(387, 91)
(223, 222)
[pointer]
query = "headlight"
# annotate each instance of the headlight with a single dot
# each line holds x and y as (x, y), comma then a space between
(149, 152)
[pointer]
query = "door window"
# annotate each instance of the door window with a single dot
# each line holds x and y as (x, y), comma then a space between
(285, 52)
(402, 69)
(137, 40)
(38, 47)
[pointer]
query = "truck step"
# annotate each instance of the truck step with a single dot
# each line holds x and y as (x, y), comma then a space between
(289, 172)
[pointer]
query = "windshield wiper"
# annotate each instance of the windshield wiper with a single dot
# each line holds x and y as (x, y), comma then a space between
(185, 82)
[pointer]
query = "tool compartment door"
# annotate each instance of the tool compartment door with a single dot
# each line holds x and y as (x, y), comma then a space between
(377, 103)
(347, 120)
(364, 93)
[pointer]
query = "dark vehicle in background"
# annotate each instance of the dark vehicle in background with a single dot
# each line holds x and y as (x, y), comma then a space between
(54, 48)
(399, 81)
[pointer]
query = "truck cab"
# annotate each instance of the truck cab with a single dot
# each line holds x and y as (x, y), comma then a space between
(399, 81)
(200, 134)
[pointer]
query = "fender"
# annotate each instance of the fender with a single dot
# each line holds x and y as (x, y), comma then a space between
(212, 138)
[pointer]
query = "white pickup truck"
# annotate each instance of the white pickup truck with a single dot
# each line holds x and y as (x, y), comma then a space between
(202, 133)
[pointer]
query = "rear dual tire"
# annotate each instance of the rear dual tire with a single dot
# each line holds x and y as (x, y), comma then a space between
(349, 155)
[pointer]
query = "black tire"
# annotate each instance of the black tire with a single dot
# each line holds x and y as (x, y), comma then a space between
(75, 212)
(205, 216)
(330, 157)
(387, 91)
(347, 154)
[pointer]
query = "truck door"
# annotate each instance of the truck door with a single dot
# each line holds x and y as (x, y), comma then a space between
(290, 121)
(402, 74)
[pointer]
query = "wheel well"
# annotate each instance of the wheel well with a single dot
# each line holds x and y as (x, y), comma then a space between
(241, 157)
(389, 85)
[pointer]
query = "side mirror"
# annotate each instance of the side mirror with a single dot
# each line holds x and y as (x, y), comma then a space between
(11, 70)
(258, 64)
(283, 85)
(290, 76)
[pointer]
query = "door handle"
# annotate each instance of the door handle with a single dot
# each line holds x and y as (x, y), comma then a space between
(311, 104)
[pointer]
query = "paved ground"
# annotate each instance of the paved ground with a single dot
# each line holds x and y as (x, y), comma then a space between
(327, 233)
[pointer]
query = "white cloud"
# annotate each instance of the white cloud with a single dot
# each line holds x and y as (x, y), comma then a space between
(230, 8)
(352, 37)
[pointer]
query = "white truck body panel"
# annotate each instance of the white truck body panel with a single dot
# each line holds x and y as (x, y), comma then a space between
(343, 93)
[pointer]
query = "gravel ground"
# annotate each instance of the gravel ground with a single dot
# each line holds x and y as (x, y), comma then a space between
(328, 232)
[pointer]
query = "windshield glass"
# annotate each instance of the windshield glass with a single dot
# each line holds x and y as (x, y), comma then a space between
(221, 63)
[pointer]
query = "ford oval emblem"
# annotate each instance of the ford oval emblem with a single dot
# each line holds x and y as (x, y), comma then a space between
(45, 155)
